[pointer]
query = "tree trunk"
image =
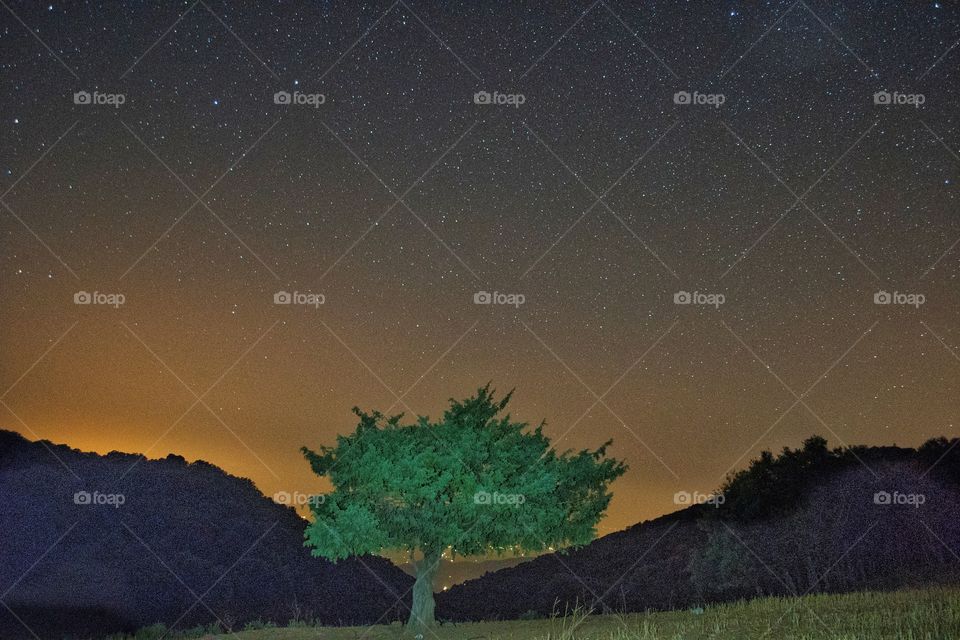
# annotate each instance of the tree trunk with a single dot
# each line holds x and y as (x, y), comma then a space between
(422, 610)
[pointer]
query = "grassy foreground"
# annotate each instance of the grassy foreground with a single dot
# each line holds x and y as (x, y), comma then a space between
(926, 614)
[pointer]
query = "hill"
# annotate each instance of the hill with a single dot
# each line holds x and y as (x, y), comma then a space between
(101, 543)
(810, 520)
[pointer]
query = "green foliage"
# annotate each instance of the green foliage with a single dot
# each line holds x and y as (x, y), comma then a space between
(153, 632)
(903, 615)
(473, 482)
(721, 566)
(255, 625)
(772, 486)
(159, 631)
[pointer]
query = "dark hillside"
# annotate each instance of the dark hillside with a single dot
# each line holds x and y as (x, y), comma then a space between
(819, 520)
(162, 536)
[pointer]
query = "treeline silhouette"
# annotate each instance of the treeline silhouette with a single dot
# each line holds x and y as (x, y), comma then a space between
(191, 545)
(775, 485)
(183, 532)
(807, 520)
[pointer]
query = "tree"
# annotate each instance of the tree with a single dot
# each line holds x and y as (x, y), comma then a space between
(475, 482)
(721, 568)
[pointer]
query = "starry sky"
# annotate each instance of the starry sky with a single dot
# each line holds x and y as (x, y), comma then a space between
(785, 194)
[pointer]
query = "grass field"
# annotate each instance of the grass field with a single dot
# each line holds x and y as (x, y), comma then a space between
(926, 614)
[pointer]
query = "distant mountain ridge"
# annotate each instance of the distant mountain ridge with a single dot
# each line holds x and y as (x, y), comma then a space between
(94, 544)
(809, 519)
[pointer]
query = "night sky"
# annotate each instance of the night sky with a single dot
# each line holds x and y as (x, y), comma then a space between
(787, 209)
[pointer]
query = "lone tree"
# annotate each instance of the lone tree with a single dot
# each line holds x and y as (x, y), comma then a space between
(475, 482)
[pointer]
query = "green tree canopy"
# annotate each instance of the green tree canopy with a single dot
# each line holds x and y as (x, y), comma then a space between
(475, 482)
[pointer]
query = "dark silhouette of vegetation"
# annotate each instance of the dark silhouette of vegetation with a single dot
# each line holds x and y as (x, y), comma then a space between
(812, 520)
(473, 482)
(183, 530)
(774, 485)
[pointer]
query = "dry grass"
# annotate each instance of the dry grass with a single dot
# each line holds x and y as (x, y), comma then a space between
(926, 614)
